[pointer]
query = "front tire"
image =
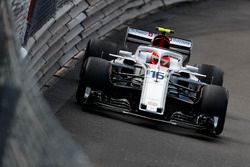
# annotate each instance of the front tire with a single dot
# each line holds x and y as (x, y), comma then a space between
(95, 75)
(213, 103)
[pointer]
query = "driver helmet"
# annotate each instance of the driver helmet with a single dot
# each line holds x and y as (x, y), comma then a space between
(165, 60)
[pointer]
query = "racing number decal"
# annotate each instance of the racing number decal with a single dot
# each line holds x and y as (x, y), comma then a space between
(156, 74)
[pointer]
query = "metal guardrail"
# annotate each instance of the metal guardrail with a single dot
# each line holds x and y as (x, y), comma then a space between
(29, 134)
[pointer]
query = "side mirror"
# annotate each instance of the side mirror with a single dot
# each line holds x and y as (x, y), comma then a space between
(192, 68)
(125, 53)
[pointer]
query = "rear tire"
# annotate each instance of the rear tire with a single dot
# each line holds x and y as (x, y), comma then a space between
(95, 74)
(99, 48)
(214, 74)
(214, 103)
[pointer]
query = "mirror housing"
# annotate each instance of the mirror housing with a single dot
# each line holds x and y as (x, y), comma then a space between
(125, 53)
(192, 68)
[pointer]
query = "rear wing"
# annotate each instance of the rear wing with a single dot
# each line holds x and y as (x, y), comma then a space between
(180, 45)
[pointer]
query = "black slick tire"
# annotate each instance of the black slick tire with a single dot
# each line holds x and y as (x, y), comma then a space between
(213, 103)
(214, 74)
(95, 75)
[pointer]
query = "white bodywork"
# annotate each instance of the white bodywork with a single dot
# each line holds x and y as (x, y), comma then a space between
(156, 81)
(157, 77)
(154, 90)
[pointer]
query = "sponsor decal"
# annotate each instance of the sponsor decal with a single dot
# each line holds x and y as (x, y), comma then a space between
(181, 42)
(152, 103)
(150, 34)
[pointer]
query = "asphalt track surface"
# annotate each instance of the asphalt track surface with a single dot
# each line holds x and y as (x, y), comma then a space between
(220, 30)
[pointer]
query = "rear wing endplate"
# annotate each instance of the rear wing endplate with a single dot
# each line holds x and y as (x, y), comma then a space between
(139, 36)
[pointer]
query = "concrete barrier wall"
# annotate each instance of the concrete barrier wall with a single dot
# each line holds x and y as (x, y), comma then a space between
(61, 41)
(20, 12)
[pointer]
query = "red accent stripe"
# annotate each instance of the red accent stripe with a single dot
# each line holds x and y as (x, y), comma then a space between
(162, 41)
(31, 8)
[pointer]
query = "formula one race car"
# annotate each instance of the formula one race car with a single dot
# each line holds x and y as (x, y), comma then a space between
(155, 82)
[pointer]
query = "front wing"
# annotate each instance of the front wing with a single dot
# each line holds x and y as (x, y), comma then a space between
(122, 106)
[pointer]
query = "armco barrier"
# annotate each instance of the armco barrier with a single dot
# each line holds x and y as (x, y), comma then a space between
(30, 135)
(60, 42)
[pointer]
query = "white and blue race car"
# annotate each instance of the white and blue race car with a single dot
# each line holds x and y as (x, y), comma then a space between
(155, 82)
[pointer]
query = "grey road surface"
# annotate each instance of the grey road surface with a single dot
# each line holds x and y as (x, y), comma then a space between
(220, 30)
